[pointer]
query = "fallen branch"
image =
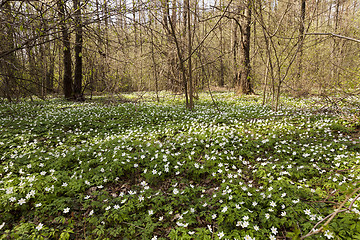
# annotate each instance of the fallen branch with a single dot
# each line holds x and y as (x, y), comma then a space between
(332, 215)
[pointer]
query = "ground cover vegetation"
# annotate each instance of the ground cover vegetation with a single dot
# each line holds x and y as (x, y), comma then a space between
(146, 170)
(77, 49)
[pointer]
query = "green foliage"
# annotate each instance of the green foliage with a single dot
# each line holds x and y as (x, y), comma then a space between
(156, 171)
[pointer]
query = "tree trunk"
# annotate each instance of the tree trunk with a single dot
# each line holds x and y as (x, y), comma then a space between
(180, 58)
(174, 13)
(222, 66)
(235, 46)
(191, 102)
(154, 63)
(78, 52)
(67, 79)
(243, 77)
(7, 63)
(334, 53)
(49, 78)
(298, 83)
(185, 82)
(47, 65)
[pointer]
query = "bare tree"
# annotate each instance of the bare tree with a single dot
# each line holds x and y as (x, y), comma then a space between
(191, 100)
(8, 62)
(301, 41)
(243, 76)
(182, 46)
(67, 61)
(78, 74)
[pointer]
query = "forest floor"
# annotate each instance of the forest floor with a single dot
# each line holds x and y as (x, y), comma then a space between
(135, 169)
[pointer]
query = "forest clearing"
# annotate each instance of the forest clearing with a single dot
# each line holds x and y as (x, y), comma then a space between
(149, 170)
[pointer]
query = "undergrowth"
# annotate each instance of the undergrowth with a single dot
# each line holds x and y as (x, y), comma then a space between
(157, 171)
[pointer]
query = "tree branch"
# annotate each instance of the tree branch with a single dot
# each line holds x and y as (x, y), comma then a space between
(335, 35)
